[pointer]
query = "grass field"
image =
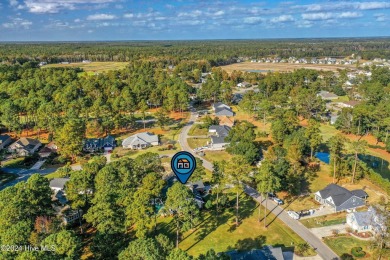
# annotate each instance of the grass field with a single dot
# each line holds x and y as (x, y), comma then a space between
(326, 220)
(246, 66)
(91, 67)
(217, 156)
(343, 244)
(197, 142)
(221, 234)
(196, 130)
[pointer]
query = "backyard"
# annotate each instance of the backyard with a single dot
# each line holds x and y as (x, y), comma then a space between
(343, 245)
(221, 234)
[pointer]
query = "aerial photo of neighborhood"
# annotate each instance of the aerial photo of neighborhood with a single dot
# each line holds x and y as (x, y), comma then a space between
(194, 130)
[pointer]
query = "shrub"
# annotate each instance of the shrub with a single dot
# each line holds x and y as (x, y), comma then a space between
(346, 256)
(335, 232)
(302, 248)
(348, 229)
(358, 252)
(208, 204)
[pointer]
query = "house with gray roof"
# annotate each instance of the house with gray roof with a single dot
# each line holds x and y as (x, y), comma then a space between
(266, 253)
(326, 95)
(221, 109)
(98, 144)
(369, 220)
(4, 141)
(140, 141)
(218, 136)
(58, 184)
(339, 198)
(24, 146)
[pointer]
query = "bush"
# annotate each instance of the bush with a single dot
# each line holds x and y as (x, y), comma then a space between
(302, 248)
(208, 204)
(346, 256)
(358, 252)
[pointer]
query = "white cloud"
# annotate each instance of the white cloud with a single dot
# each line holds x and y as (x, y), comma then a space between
(350, 15)
(13, 3)
(98, 17)
(219, 13)
(373, 5)
(317, 16)
(18, 23)
(253, 20)
(194, 14)
(130, 15)
(282, 19)
(381, 17)
(55, 6)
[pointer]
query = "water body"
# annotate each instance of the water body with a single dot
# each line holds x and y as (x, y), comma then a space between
(323, 157)
(258, 71)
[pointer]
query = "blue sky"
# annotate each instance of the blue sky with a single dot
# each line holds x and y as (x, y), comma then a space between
(75, 20)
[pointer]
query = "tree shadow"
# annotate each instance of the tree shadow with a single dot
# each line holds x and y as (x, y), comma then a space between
(247, 244)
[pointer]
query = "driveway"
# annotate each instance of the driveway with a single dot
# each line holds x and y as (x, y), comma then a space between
(321, 248)
(38, 165)
(24, 174)
(327, 231)
(321, 211)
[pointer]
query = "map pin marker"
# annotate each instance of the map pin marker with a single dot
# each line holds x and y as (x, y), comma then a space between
(183, 164)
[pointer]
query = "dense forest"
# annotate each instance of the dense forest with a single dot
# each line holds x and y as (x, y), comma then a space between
(172, 52)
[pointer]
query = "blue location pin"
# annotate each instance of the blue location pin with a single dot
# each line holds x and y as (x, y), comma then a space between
(183, 164)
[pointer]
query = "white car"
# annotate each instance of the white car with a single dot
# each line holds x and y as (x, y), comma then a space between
(293, 214)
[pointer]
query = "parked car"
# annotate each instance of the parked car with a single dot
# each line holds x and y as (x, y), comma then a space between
(293, 214)
(278, 201)
(271, 195)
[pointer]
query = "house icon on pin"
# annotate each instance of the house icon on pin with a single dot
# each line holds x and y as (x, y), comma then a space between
(183, 164)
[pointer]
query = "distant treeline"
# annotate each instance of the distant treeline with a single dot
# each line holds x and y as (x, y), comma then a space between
(217, 52)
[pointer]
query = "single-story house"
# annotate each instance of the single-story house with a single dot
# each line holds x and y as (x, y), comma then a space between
(339, 198)
(58, 184)
(97, 144)
(24, 146)
(221, 109)
(218, 135)
(326, 95)
(244, 84)
(267, 253)
(366, 221)
(4, 141)
(140, 141)
(48, 150)
(198, 188)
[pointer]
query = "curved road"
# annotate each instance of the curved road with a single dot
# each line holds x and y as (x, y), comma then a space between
(320, 247)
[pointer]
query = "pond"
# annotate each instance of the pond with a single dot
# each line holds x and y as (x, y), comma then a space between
(323, 157)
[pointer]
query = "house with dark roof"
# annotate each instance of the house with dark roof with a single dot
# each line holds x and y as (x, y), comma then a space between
(340, 199)
(4, 141)
(98, 144)
(218, 136)
(140, 141)
(266, 253)
(48, 150)
(221, 109)
(24, 146)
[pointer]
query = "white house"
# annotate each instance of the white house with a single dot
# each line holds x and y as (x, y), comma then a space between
(243, 84)
(140, 141)
(368, 220)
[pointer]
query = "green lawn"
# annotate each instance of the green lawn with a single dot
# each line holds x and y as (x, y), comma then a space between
(217, 156)
(196, 130)
(197, 142)
(93, 66)
(328, 131)
(14, 163)
(53, 175)
(323, 221)
(343, 244)
(221, 234)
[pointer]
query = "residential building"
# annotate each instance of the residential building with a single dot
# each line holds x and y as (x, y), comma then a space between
(98, 144)
(24, 146)
(339, 198)
(58, 184)
(369, 220)
(266, 253)
(4, 141)
(326, 95)
(218, 136)
(221, 109)
(349, 104)
(140, 141)
(48, 150)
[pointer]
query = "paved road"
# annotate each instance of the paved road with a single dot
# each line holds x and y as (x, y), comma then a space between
(24, 174)
(321, 248)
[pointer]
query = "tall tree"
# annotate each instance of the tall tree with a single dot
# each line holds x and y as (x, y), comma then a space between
(313, 133)
(357, 147)
(336, 147)
(180, 202)
(236, 174)
(267, 181)
(70, 138)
